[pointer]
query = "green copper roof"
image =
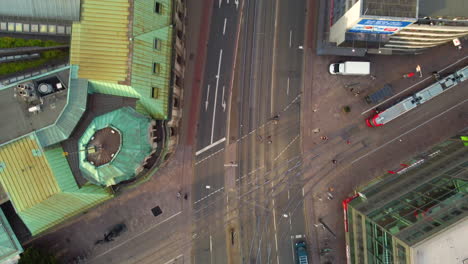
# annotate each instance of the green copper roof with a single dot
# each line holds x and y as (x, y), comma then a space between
(152, 47)
(135, 146)
(9, 245)
(41, 185)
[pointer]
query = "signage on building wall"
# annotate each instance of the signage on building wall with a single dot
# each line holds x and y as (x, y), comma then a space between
(379, 26)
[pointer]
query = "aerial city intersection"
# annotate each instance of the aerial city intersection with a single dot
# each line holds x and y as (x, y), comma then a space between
(234, 131)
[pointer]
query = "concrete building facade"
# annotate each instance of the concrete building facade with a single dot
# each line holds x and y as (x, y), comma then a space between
(393, 26)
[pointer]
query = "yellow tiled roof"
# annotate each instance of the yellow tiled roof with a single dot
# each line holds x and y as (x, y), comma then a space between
(26, 175)
(100, 41)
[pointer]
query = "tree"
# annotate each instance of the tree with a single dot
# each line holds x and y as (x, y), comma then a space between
(36, 256)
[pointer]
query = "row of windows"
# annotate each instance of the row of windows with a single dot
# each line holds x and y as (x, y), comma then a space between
(35, 28)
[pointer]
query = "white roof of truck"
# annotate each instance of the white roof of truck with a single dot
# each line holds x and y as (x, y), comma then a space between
(357, 67)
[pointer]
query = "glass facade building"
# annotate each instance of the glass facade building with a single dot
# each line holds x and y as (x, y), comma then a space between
(395, 213)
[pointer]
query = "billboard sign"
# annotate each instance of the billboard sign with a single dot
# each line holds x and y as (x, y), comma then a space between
(379, 26)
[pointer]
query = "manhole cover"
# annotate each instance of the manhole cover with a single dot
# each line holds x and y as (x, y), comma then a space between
(156, 211)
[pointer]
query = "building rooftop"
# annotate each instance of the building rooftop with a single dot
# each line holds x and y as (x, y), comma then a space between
(41, 186)
(17, 120)
(390, 8)
(443, 8)
(119, 155)
(126, 54)
(449, 246)
(46, 10)
(10, 247)
(396, 202)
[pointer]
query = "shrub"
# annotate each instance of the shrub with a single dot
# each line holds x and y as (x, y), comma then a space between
(346, 109)
(37, 256)
(9, 42)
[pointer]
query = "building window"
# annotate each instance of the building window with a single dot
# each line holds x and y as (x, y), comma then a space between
(158, 8)
(157, 44)
(155, 92)
(176, 102)
(156, 68)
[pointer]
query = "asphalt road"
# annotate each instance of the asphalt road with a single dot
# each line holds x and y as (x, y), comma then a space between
(270, 63)
(209, 244)
(217, 76)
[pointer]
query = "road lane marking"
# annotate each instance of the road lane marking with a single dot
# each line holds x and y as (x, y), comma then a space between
(287, 87)
(276, 242)
(237, 3)
(175, 258)
(290, 143)
(290, 38)
(200, 161)
(210, 194)
(211, 250)
(409, 131)
(223, 103)
(207, 96)
(216, 94)
(137, 235)
(220, 3)
(302, 191)
(210, 146)
(274, 217)
(370, 109)
(225, 20)
(228, 1)
(288, 194)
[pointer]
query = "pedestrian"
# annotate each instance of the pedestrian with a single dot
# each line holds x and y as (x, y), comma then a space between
(185, 196)
(373, 77)
(348, 142)
(324, 138)
(269, 141)
(334, 161)
(178, 194)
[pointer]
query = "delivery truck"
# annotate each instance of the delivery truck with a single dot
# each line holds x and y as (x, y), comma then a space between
(350, 68)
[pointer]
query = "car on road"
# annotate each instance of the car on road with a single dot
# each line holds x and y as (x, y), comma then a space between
(301, 252)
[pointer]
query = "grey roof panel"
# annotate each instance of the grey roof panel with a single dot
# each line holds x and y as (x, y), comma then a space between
(390, 8)
(443, 8)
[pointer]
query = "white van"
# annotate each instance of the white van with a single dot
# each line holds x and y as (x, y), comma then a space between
(350, 68)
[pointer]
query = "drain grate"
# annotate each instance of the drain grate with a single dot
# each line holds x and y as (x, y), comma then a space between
(156, 211)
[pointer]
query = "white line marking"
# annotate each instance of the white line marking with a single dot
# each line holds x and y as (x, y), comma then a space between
(207, 96)
(210, 146)
(223, 102)
(370, 109)
(302, 192)
(137, 235)
(228, 1)
(274, 216)
(225, 20)
(211, 250)
(288, 194)
(292, 250)
(276, 242)
(237, 3)
(287, 147)
(181, 255)
(287, 87)
(290, 38)
(210, 194)
(216, 95)
(220, 3)
(409, 131)
(200, 161)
